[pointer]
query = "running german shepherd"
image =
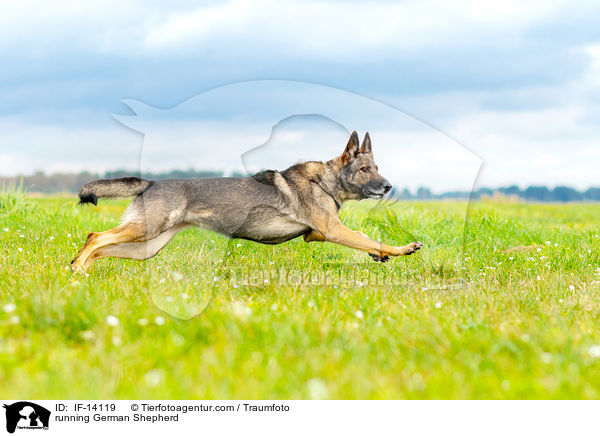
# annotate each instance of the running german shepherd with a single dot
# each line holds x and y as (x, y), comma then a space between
(270, 207)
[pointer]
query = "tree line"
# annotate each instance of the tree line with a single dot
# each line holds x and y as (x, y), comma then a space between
(70, 183)
(559, 194)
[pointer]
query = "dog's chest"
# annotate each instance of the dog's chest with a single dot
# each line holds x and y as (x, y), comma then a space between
(273, 230)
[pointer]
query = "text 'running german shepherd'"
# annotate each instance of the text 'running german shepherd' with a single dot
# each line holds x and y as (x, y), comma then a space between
(270, 207)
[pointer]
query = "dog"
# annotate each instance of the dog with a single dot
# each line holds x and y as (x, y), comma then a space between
(270, 207)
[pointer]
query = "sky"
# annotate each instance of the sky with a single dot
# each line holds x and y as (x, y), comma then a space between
(511, 87)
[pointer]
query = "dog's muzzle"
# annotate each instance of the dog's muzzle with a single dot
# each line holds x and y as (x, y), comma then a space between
(380, 191)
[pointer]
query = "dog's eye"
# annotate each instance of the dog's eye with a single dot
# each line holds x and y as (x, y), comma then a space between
(365, 169)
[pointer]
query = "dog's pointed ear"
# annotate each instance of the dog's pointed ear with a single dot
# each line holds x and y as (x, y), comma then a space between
(366, 145)
(351, 148)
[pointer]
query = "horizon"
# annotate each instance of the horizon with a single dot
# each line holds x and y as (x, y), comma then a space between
(216, 172)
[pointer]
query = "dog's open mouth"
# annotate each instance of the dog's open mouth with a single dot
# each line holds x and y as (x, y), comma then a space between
(377, 195)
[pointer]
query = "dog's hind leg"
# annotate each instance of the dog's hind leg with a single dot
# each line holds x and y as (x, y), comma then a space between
(127, 232)
(133, 250)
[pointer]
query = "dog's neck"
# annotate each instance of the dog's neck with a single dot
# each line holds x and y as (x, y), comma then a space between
(330, 182)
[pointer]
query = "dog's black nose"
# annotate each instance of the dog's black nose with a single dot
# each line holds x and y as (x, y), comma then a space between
(387, 187)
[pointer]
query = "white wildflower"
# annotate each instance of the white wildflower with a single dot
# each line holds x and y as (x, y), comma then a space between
(241, 310)
(594, 351)
(154, 377)
(88, 335)
(177, 340)
(317, 389)
(177, 276)
(8, 308)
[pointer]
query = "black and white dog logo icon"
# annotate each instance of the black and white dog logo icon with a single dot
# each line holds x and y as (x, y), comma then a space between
(26, 415)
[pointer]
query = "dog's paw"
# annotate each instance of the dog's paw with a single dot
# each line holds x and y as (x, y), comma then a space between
(379, 258)
(413, 247)
(76, 267)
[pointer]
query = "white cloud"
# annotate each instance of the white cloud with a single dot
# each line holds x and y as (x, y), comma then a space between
(546, 160)
(547, 146)
(28, 147)
(407, 159)
(528, 136)
(318, 28)
(45, 29)
(228, 17)
(335, 30)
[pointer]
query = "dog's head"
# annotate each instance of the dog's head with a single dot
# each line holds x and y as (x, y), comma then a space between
(359, 176)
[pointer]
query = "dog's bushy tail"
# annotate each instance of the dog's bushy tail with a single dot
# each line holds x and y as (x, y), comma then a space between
(122, 187)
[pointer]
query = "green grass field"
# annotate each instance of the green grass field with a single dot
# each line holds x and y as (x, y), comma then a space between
(511, 311)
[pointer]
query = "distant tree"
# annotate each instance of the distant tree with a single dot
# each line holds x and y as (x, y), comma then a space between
(592, 194)
(173, 174)
(120, 173)
(423, 193)
(404, 194)
(564, 194)
(456, 195)
(511, 191)
(70, 182)
(537, 193)
(484, 192)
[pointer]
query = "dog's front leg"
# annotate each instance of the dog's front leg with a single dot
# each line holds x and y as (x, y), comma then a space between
(313, 236)
(340, 234)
